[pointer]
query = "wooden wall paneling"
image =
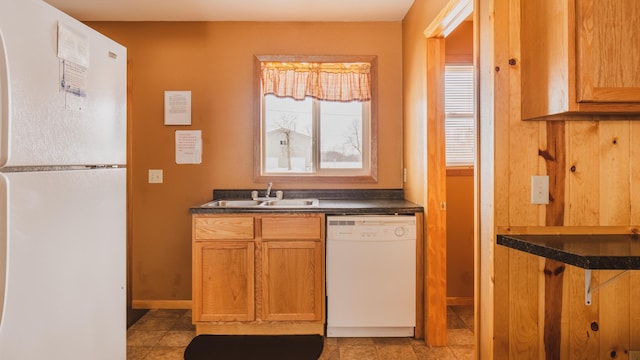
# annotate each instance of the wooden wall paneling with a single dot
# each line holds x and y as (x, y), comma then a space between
(523, 305)
(614, 142)
(502, 114)
(487, 181)
(634, 310)
(583, 164)
(565, 314)
(525, 288)
(634, 170)
(523, 151)
(554, 155)
(502, 103)
(614, 315)
(524, 270)
(634, 276)
(583, 341)
(524, 137)
(502, 309)
(615, 168)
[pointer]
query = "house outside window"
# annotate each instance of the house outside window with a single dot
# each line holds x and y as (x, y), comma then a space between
(315, 118)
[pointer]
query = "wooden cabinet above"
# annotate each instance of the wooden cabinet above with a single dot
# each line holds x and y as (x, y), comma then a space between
(579, 59)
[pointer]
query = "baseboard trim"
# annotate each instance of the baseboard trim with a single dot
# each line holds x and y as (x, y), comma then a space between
(161, 304)
(459, 301)
(186, 304)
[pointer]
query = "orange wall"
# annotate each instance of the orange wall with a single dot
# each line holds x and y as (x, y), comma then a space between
(460, 236)
(459, 49)
(215, 61)
(420, 15)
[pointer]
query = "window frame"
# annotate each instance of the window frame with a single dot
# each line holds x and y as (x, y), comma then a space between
(327, 175)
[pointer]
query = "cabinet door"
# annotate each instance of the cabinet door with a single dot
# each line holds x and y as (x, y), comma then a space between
(608, 44)
(292, 280)
(223, 281)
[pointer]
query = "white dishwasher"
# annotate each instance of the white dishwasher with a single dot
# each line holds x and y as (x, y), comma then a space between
(371, 276)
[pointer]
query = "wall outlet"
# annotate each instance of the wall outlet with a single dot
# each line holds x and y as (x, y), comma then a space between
(634, 354)
(540, 189)
(155, 176)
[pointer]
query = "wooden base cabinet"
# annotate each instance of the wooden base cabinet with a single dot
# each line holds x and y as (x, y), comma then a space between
(265, 278)
(225, 287)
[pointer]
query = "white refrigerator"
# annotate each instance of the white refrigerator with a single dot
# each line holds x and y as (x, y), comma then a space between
(62, 187)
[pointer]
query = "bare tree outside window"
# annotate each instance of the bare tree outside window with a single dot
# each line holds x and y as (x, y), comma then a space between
(354, 140)
(287, 126)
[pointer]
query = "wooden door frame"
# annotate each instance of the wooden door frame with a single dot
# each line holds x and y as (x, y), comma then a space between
(435, 251)
(485, 56)
(436, 220)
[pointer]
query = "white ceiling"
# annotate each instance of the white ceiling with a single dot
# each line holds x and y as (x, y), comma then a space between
(234, 10)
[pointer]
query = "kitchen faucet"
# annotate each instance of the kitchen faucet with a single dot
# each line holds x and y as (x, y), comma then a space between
(268, 193)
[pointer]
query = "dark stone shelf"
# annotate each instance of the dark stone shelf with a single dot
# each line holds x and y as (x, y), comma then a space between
(591, 252)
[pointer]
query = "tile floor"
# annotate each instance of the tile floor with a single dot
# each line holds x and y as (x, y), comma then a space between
(164, 334)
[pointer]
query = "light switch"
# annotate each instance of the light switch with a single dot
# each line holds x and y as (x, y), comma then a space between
(155, 176)
(540, 189)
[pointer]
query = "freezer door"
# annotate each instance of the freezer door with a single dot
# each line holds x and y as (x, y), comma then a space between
(42, 124)
(65, 265)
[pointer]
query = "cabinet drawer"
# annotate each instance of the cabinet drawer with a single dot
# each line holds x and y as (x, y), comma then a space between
(223, 228)
(294, 227)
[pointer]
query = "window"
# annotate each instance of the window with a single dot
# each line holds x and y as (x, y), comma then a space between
(459, 116)
(316, 118)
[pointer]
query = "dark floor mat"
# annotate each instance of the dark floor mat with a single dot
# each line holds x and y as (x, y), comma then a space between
(254, 347)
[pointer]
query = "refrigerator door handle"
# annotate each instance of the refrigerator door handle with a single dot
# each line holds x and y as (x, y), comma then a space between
(4, 103)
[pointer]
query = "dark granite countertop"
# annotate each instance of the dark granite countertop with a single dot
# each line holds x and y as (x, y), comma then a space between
(588, 251)
(332, 202)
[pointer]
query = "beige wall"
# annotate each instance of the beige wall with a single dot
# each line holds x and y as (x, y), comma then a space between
(215, 61)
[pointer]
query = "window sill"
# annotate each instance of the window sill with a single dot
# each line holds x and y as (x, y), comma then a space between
(460, 171)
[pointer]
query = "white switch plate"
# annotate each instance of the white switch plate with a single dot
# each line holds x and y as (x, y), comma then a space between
(155, 176)
(540, 189)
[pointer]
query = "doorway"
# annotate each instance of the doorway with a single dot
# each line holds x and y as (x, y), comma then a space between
(449, 257)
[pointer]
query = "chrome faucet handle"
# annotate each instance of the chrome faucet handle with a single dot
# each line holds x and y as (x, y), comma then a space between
(269, 185)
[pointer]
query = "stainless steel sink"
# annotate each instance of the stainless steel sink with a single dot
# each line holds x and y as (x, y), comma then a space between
(280, 203)
(293, 203)
(233, 203)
